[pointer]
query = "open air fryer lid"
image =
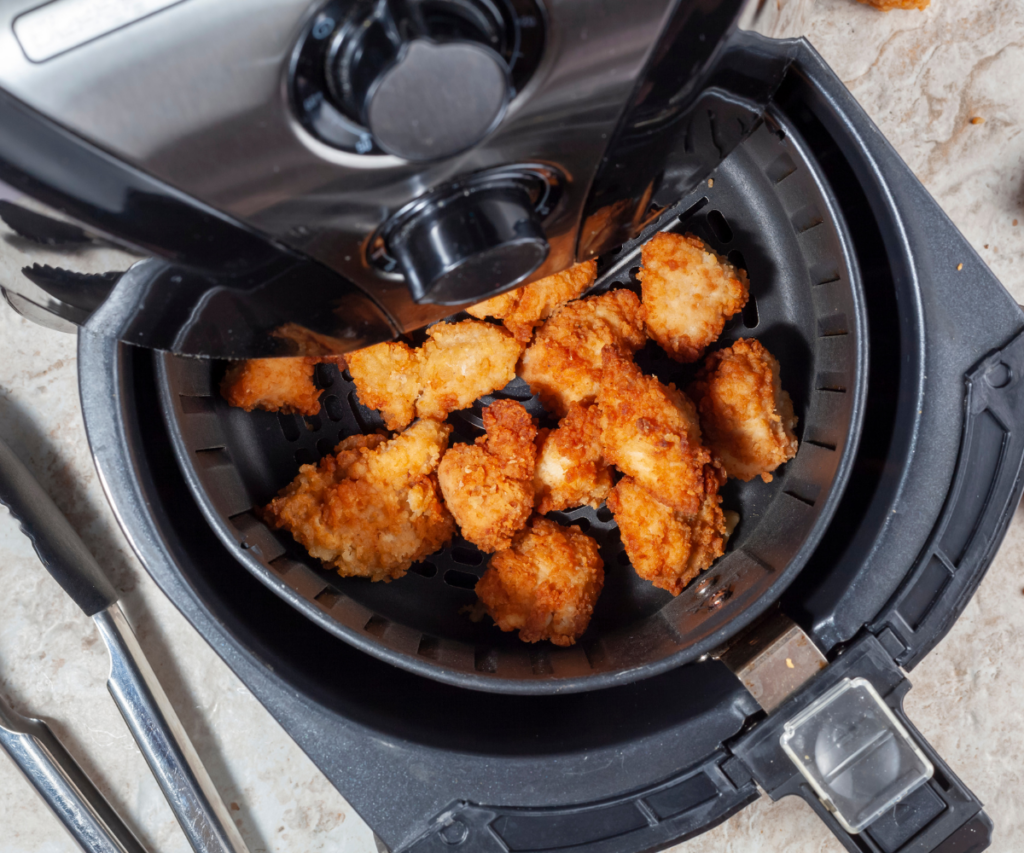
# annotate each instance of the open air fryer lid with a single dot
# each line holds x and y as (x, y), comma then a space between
(264, 207)
(645, 764)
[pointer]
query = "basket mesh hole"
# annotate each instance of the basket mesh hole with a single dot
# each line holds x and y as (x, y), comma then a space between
(750, 318)
(376, 625)
(304, 457)
(466, 555)
(289, 426)
(429, 647)
(324, 446)
(328, 597)
(462, 580)
(720, 226)
(604, 514)
(540, 661)
(622, 558)
(424, 570)
(485, 660)
(313, 422)
(333, 408)
(323, 376)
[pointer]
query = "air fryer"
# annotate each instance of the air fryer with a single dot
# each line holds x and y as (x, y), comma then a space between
(291, 197)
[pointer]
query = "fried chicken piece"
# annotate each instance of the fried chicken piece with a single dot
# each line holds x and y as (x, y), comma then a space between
(688, 292)
(524, 309)
(488, 486)
(387, 378)
(667, 547)
(650, 431)
(544, 586)
(373, 508)
(563, 366)
(889, 5)
(460, 362)
(747, 418)
(464, 361)
(570, 471)
(275, 384)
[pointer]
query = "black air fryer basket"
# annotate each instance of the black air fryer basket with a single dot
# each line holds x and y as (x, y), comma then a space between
(902, 354)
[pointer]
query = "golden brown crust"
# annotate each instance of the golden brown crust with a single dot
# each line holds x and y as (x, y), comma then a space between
(889, 5)
(373, 507)
(688, 292)
(747, 418)
(459, 363)
(524, 309)
(563, 366)
(544, 586)
(667, 547)
(488, 486)
(650, 432)
(273, 384)
(570, 470)
(387, 378)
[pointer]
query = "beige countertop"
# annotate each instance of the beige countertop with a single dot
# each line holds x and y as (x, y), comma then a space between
(922, 76)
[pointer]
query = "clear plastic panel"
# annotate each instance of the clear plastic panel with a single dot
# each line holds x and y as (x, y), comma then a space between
(855, 753)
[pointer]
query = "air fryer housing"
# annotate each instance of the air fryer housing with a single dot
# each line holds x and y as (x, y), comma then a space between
(240, 155)
(643, 765)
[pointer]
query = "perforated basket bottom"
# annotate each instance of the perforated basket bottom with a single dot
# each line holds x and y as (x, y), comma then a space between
(769, 216)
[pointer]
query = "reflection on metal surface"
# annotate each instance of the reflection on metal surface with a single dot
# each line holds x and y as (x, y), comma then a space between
(146, 709)
(62, 783)
(59, 26)
(773, 658)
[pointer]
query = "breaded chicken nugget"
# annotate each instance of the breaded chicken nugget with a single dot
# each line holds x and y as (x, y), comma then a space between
(667, 547)
(460, 362)
(544, 586)
(570, 471)
(387, 378)
(889, 5)
(524, 309)
(563, 366)
(747, 418)
(488, 486)
(373, 508)
(650, 432)
(275, 384)
(689, 292)
(463, 361)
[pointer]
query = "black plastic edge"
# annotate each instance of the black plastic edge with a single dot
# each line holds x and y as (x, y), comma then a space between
(985, 491)
(696, 800)
(924, 821)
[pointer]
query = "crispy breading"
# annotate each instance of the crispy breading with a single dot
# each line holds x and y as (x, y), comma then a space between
(524, 309)
(463, 361)
(667, 547)
(387, 378)
(746, 417)
(373, 507)
(570, 470)
(889, 5)
(688, 293)
(563, 366)
(488, 486)
(459, 362)
(650, 431)
(544, 586)
(275, 384)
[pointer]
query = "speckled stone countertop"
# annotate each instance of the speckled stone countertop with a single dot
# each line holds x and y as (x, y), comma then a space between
(922, 77)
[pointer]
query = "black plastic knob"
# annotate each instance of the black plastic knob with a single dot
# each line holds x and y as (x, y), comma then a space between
(421, 98)
(465, 246)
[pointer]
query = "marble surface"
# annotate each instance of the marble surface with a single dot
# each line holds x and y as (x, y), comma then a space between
(922, 77)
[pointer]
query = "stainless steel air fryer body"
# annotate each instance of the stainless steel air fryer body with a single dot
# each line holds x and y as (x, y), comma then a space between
(352, 168)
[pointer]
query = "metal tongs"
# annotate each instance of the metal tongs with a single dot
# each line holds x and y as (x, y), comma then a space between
(49, 767)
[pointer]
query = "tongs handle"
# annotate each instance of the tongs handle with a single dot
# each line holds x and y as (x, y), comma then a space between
(64, 786)
(146, 709)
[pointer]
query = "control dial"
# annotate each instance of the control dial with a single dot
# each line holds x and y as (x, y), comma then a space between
(420, 79)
